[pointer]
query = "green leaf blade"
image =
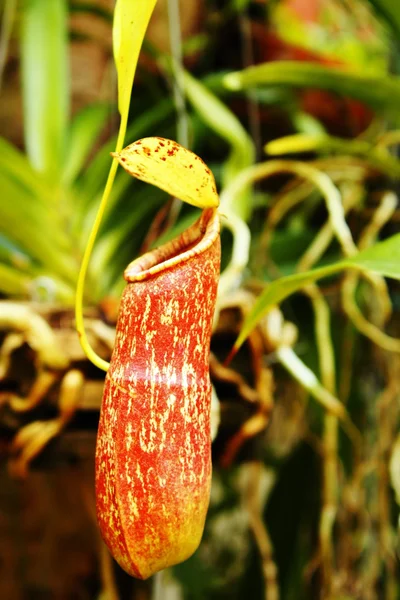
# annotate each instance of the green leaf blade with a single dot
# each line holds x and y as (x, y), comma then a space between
(16, 166)
(381, 93)
(383, 258)
(44, 54)
(390, 11)
(130, 24)
(85, 130)
(13, 281)
(221, 120)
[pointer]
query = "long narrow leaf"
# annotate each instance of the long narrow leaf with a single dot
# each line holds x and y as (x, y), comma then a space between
(382, 93)
(22, 207)
(130, 24)
(15, 164)
(22, 279)
(85, 130)
(383, 258)
(32, 230)
(13, 256)
(13, 282)
(221, 120)
(44, 55)
(390, 11)
(378, 158)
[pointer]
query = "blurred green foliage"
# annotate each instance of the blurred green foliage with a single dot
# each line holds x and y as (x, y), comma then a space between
(254, 73)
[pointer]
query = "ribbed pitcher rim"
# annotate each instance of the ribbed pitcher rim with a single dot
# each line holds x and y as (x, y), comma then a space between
(195, 240)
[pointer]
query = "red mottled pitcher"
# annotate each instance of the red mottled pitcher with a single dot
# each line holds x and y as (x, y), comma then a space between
(153, 457)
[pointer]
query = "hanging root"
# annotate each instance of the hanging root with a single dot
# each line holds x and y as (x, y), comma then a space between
(32, 438)
(257, 483)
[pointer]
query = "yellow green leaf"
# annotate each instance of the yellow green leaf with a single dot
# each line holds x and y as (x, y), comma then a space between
(382, 258)
(131, 18)
(171, 167)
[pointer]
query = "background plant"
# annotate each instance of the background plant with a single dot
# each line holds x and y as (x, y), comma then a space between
(315, 487)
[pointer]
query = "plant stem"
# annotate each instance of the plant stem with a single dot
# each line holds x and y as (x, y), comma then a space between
(330, 436)
(90, 353)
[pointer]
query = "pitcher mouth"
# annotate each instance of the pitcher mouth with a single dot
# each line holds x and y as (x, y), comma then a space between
(195, 240)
